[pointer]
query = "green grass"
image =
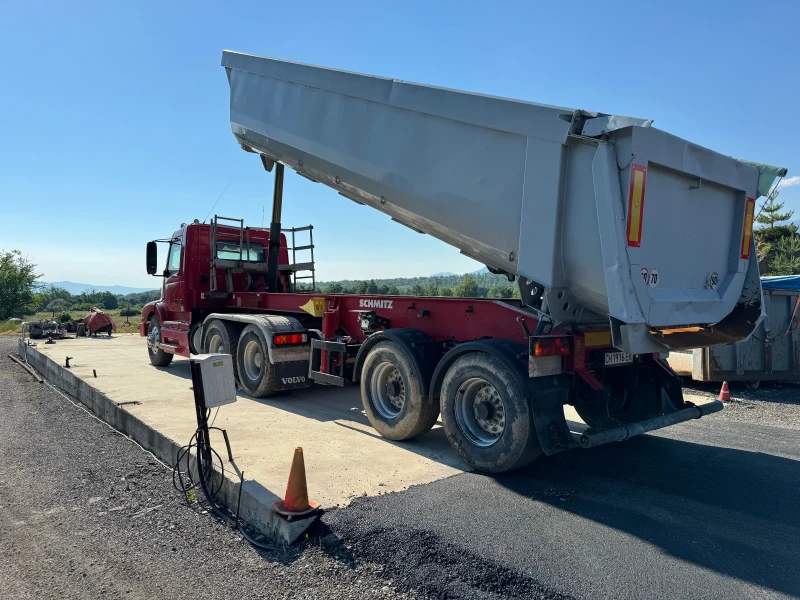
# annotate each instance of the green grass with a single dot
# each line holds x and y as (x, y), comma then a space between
(14, 328)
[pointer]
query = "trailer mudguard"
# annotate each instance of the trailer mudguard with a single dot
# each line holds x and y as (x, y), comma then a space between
(269, 325)
(418, 344)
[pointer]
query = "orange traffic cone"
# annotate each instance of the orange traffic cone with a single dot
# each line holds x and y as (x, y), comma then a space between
(296, 502)
(724, 393)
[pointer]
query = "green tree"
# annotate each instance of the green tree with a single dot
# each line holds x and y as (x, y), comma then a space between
(110, 301)
(372, 287)
(334, 288)
(467, 288)
(361, 287)
(126, 310)
(416, 290)
(446, 291)
(55, 306)
(432, 289)
(787, 256)
(393, 290)
(17, 285)
(775, 227)
(501, 291)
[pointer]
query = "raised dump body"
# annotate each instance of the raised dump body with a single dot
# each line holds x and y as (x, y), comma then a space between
(605, 219)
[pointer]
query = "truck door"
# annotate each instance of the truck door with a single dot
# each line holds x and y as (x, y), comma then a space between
(174, 284)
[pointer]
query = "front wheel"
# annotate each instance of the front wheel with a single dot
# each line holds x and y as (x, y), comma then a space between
(158, 358)
(485, 415)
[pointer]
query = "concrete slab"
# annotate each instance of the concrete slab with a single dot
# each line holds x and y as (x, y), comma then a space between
(344, 456)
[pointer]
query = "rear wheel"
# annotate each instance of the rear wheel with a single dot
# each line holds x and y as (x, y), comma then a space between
(256, 372)
(222, 337)
(158, 358)
(391, 394)
(485, 415)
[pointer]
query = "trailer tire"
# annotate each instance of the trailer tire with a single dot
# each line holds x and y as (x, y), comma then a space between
(158, 358)
(391, 393)
(222, 337)
(256, 372)
(486, 417)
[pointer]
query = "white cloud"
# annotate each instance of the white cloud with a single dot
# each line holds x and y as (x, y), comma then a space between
(789, 182)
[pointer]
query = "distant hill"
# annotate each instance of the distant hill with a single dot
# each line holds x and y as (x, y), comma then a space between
(442, 274)
(78, 288)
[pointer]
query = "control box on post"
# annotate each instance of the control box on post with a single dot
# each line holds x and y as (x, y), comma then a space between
(214, 374)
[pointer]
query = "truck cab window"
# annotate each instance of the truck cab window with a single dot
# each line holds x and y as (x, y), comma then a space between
(174, 258)
(230, 251)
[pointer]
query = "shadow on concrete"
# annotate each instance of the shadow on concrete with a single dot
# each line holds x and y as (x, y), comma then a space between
(732, 511)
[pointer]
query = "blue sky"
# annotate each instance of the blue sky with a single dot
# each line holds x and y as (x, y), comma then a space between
(114, 116)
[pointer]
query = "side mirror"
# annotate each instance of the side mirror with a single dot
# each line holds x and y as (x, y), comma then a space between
(152, 258)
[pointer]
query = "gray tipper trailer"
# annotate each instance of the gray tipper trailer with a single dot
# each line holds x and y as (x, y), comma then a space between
(603, 220)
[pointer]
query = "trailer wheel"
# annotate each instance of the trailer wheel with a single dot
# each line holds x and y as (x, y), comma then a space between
(391, 394)
(256, 372)
(222, 337)
(158, 358)
(485, 415)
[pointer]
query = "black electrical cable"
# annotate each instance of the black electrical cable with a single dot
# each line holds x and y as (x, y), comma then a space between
(184, 481)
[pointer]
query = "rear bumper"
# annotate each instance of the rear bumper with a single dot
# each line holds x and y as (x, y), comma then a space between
(592, 438)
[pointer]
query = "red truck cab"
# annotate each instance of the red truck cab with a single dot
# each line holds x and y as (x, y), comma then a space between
(192, 288)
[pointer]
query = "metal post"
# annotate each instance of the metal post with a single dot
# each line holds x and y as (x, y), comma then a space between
(275, 231)
(204, 465)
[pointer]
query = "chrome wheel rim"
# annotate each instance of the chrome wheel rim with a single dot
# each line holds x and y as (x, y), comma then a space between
(253, 360)
(480, 412)
(388, 390)
(216, 344)
(153, 339)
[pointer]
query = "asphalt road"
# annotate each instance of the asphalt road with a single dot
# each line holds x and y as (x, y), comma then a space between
(708, 509)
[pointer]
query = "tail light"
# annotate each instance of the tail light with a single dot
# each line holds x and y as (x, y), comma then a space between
(552, 346)
(284, 339)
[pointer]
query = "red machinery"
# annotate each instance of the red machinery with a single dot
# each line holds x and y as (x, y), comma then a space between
(96, 321)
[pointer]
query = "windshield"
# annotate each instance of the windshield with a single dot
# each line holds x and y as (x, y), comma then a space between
(230, 251)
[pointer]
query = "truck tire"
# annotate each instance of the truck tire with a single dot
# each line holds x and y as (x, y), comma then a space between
(222, 337)
(485, 415)
(256, 372)
(391, 394)
(158, 358)
(195, 339)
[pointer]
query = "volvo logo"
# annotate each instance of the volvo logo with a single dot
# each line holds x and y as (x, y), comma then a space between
(288, 380)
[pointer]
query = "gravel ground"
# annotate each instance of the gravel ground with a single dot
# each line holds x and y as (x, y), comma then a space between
(776, 405)
(85, 513)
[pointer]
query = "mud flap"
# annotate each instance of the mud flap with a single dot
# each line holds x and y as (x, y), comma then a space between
(291, 375)
(547, 404)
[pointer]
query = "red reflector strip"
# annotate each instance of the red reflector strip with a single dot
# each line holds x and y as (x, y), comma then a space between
(747, 232)
(636, 205)
(551, 346)
(289, 338)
